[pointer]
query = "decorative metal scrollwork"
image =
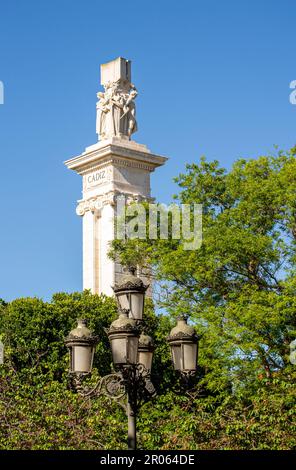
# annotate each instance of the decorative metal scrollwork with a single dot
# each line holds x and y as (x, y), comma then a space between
(114, 386)
(131, 380)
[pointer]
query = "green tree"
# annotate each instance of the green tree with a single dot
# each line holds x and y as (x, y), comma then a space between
(33, 331)
(239, 287)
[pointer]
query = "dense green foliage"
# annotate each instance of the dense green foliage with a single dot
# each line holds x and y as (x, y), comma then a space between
(239, 289)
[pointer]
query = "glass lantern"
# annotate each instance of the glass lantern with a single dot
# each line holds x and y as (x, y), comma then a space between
(145, 351)
(81, 344)
(130, 295)
(124, 338)
(183, 341)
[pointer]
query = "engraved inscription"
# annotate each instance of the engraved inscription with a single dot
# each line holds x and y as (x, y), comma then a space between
(96, 178)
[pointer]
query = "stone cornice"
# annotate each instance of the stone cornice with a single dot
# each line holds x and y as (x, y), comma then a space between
(125, 154)
(112, 160)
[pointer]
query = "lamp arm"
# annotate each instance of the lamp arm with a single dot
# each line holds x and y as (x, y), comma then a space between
(133, 381)
(111, 385)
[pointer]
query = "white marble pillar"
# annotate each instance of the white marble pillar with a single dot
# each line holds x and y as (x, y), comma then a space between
(89, 258)
(107, 273)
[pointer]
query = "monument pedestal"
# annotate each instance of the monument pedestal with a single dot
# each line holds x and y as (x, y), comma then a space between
(111, 168)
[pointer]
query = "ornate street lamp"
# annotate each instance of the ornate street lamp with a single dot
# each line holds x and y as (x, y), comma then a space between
(81, 344)
(132, 354)
(130, 295)
(183, 341)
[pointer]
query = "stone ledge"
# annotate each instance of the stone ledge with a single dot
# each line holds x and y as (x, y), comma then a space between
(108, 150)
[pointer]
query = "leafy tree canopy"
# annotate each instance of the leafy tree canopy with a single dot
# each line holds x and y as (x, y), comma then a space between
(239, 286)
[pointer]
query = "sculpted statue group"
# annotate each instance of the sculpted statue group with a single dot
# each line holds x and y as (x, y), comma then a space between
(116, 110)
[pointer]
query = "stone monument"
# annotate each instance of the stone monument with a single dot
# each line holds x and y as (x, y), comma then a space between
(114, 167)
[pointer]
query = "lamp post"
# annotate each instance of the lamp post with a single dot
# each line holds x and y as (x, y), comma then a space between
(132, 353)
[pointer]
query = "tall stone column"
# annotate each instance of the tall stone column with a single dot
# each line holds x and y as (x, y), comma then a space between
(89, 251)
(114, 166)
(107, 273)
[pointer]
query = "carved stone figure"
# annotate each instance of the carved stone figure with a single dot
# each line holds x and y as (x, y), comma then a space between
(116, 110)
(102, 110)
(129, 113)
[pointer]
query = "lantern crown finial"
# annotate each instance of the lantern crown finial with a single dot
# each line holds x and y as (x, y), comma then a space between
(146, 340)
(123, 322)
(82, 332)
(130, 282)
(182, 329)
(132, 270)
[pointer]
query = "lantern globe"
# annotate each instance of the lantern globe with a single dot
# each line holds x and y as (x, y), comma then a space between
(124, 338)
(81, 343)
(183, 341)
(130, 294)
(145, 351)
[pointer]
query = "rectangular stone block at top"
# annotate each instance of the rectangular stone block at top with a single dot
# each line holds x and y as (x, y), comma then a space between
(117, 69)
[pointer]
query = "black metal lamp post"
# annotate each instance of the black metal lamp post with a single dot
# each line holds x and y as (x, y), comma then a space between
(132, 353)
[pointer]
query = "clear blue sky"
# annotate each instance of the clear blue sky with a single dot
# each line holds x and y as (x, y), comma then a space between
(213, 78)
